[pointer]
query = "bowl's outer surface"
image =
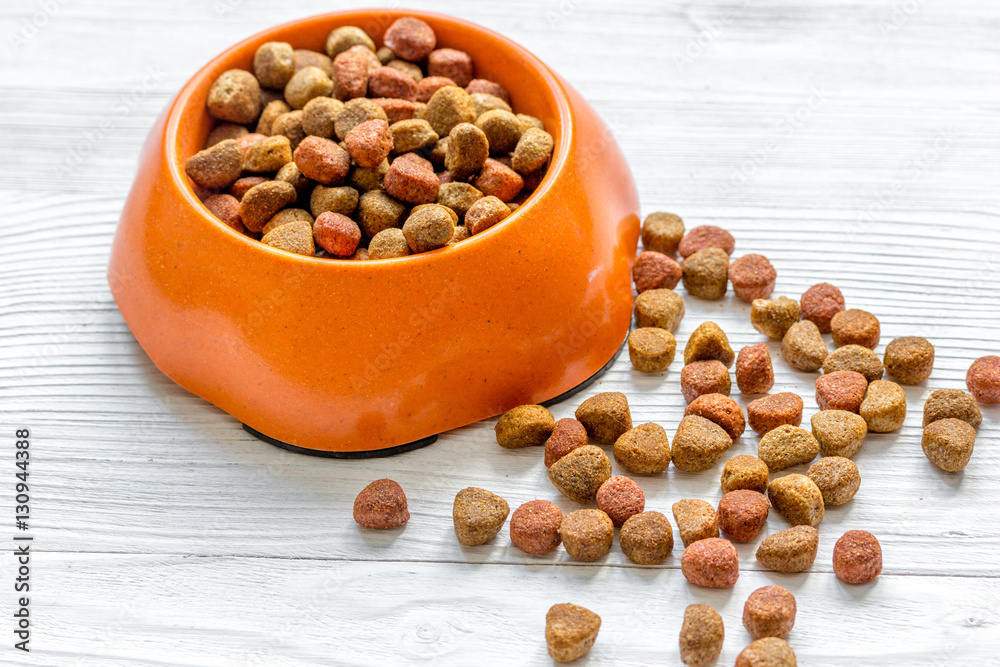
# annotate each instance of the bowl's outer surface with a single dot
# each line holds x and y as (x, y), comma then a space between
(351, 356)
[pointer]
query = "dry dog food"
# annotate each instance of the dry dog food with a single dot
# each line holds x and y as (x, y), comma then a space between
(948, 443)
(696, 520)
(702, 635)
(646, 538)
(720, 409)
(837, 477)
(381, 504)
(534, 527)
(478, 515)
(983, 379)
(820, 303)
(388, 243)
(524, 426)
(839, 432)
(587, 534)
(754, 372)
(857, 358)
(857, 557)
(769, 412)
(909, 359)
(661, 308)
(706, 273)
(570, 631)
(786, 446)
(605, 416)
(855, 327)
(653, 270)
(705, 377)
(651, 349)
(803, 346)
(295, 237)
(742, 514)
(884, 407)
(945, 403)
(767, 652)
(698, 444)
(662, 232)
(567, 435)
(752, 277)
(707, 342)
(797, 498)
(745, 472)
(643, 450)
(774, 317)
(620, 498)
(712, 563)
(769, 612)
(790, 550)
(841, 390)
(706, 236)
(580, 473)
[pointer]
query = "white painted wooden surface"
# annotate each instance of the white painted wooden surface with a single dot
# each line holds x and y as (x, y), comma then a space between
(855, 143)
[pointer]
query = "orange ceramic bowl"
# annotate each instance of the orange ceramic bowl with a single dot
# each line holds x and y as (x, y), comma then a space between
(340, 357)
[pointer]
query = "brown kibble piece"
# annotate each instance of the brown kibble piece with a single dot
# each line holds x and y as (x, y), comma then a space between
(712, 563)
(839, 432)
(242, 185)
(742, 514)
(235, 97)
(343, 200)
(945, 403)
(785, 446)
(412, 135)
(797, 498)
(322, 160)
(428, 227)
(369, 143)
(489, 88)
(791, 550)
(307, 83)
(351, 71)
(410, 38)
(448, 107)
(767, 652)
(586, 534)
(857, 557)
(390, 82)
(303, 58)
(217, 166)
(388, 243)
(706, 342)
(344, 37)
(855, 327)
(570, 631)
(661, 308)
(705, 273)
(745, 472)
(524, 426)
(295, 237)
(620, 498)
(754, 372)
(411, 182)
(381, 504)
(752, 277)
(654, 270)
(909, 359)
(427, 86)
(377, 211)
(721, 410)
(354, 113)
(368, 178)
(646, 538)
(803, 346)
(501, 128)
(770, 412)
(820, 303)
(478, 515)
(884, 407)
(837, 477)
(696, 520)
(534, 527)
(651, 349)
(337, 234)
(261, 202)
(467, 150)
(395, 109)
(270, 154)
(705, 377)
(606, 416)
(485, 213)
(706, 236)
(948, 443)
(497, 179)
(580, 473)
(774, 317)
(274, 64)
(841, 390)
(290, 173)
(484, 103)
(698, 444)
(290, 125)
(567, 435)
(702, 635)
(451, 63)
(983, 379)
(224, 131)
(227, 209)
(533, 151)
(459, 197)
(769, 612)
(285, 216)
(643, 450)
(662, 232)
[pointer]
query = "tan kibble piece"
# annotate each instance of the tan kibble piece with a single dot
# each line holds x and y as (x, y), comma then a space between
(306, 84)
(319, 116)
(661, 308)
(643, 450)
(467, 151)
(485, 102)
(770, 412)
(803, 346)
(945, 403)
(841, 390)
(344, 37)
(587, 534)
(429, 228)
(651, 349)
(948, 443)
(606, 416)
(412, 135)
(774, 317)
(791, 550)
(387, 244)
(217, 166)
(745, 472)
(448, 107)
(459, 197)
(271, 154)
(705, 377)
(377, 211)
(909, 359)
(797, 498)
(570, 631)
(696, 520)
(662, 232)
(567, 435)
(485, 213)
(354, 113)
(285, 216)
(580, 473)
(754, 372)
(478, 515)
(786, 446)
(502, 129)
(303, 58)
(224, 131)
(274, 108)
(767, 652)
(273, 64)
(839, 432)
(342, 200)
(460, 234)
(702, 635)
(884, 407)
(706, 342)
(411, 70)
(295, 237)
(261, 202)
(533, 151)
(647, 538)
(769, 612)
(290, 125)
(524, 426)
(235, 97)
(698, 444)
(837, 477)
(855, 327)
(721, 410)
(706, 273)
(368, 178)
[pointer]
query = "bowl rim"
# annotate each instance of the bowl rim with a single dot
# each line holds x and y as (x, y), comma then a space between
(555, 168)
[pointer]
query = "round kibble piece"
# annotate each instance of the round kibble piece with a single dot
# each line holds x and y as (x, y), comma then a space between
(857, 358)
(706, 273)
(369, 143)
(459, 197)
(392, 83)
(225, 131)
(803, 346)
(273, 109)
(270, 154)
(478, 515)
(429, 227)
(983, 379)
(354, 113)
(662, 232)
(502, 130)
(485, 103)
(491, 88)
(468, 149)
(752, 277)
(411, 182)
(651, 349)
(909, 359)
(702, 635)
(322, 160)
(661, 308)
(945, 403)
(344, 37)
(705, 377)
(698, 444)
(235, 97)
(381, 504)
(606, 416)
(742, 514)
(285, 216)
(857, 557)
(412, 135)
(410, 38)
(797, 498)
(820, 303)
(884, 407)
(295, 237)
(712, 563)
(706, 236)
(791, 550)
(580, 473)
(524, 426)
(570, 631)
(653, 270)
(774, 317)
(485, 213)
(337, 234)
(448, 107)
(706, 342)
(261, 202)
(837, 477)
(786, 446)
(720, 409)
(290, 125)
(646, 538)
(427, 86)
(767, 652)
(217, 166)
(769, 612)
(770, 412)
(343, 200)
(307, 83)
(841, 390)
(754, 372)
(587, 534)
(307, 58)
(620, 498)
(948, 443)
(377, 211)
(533, 151)
(273, 64)
(745, 472)
(696, 520)
(242, 185)
(855, 327)
(839, 432)
(534, 527)
(227, 209)
(368, 178)
(387, 244)
(643, 450)
(567, 435)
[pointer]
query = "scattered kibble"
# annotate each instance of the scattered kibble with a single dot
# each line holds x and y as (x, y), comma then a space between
(857, 557)
(983, 379)
(945, 403)
(567, 435)
(706, 273)
(742, 514)
(767, 652)
(661, 308)
(837, 477)
(745, 472)
(705, 377)
(580, 473)
(884, 407)
(797, 498)
(643, 450)
(646, 538)
(841, 390)
(769, 612)
(803, 346)
(774, 317)
(752, 277)
(698, 444)
(754, 372)
(820, 303)
(620, 498)
(702, 635)
(654, 270)
(696, 520)
(381, 504)
(769, 412)
(711, 562)
(786, 446)
(478, 515)
(570, 631)
(909, 359)
(720, 409)
(855, 327)
(706, 236)
(651, 349)
(524, 426)
(707, 342)
(948, 443)
(790, 550)
(662, 232)
(534, 527)
(606, 416)
(839, 432)
(587, 534)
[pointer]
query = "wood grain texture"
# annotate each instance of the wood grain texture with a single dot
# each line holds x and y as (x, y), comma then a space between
(854, 143)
